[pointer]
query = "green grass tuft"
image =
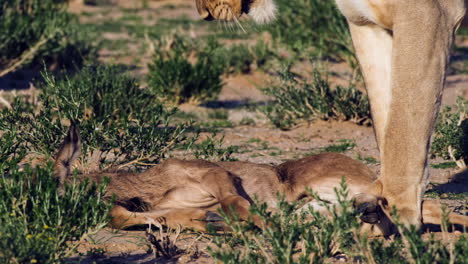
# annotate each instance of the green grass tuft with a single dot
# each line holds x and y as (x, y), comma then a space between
(36, 224)
(297, 100)
(117, 118)
(450, 139)
(298, 235)
(176, 79)
(212, 149)
(313, 27)
(37, 31)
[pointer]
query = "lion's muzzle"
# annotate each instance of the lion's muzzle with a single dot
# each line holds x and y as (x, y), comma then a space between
(223, 10)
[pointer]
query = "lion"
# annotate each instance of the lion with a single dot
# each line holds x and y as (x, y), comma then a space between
(189, 192)
(403, 48)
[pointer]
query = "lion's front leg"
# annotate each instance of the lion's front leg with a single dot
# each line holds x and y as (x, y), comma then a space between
(422, 37)
(404, 69)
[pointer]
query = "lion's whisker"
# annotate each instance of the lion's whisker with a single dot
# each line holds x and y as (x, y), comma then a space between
(228, 25)
(238, 23)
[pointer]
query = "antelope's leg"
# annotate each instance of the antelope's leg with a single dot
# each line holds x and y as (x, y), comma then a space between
(432, 214)
(222, 185)
(194, 218)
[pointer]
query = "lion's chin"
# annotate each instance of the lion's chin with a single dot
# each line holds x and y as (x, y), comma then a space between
(262, 12)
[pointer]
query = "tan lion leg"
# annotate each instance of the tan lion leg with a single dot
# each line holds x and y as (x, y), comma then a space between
(419, 61)
(405, 106)
(373, 47)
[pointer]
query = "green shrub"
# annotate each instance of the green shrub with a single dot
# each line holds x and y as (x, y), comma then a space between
(220, 114)
(187, 70)
(37, 31)
(212, 149)
(173, 77)
(451, 134)
(290, 237)
(238, 58)
(313, 26)
(10, 149)
(296, 235)
(294, 99)
(241, 58)
(264, 55)
(341, 146)
(116, 117)
(36, 224)
(77, 47)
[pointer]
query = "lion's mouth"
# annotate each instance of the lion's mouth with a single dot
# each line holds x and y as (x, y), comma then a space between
(261, 11)
(223, 12)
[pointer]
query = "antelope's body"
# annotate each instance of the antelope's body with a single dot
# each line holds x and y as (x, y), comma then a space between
(189, 193)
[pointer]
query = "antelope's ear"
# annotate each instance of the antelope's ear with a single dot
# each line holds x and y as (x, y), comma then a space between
(202, 9)
(68, 152)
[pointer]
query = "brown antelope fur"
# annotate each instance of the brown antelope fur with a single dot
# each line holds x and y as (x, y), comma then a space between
(188, 193)
(403, 47)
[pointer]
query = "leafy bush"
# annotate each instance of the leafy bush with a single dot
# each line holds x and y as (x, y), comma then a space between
(116, 117)
(264, 55)
(36, 224)
(187, 70)
(212, 149)
(77, 47)
(290, 237)
(173, 77)
(10, 148)
(341, 146)
(295, 99)
(451, 134)
(313, 26)
(298, 235)
(240, 58)
(220, 114)
(40, 30)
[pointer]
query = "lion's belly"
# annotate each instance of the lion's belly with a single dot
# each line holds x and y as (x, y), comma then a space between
(363, 12)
